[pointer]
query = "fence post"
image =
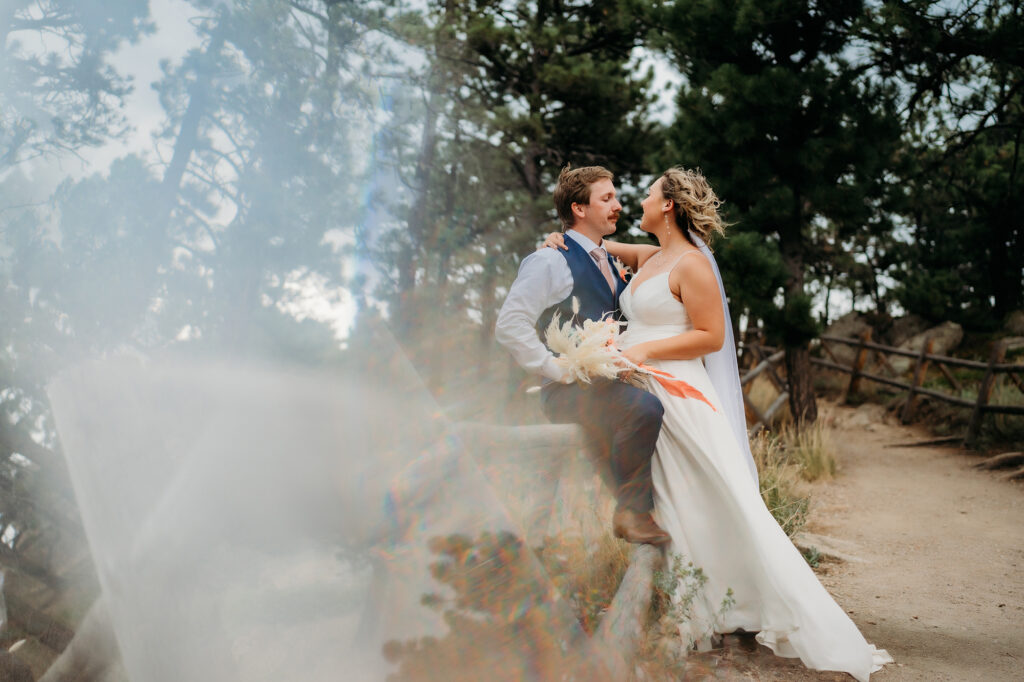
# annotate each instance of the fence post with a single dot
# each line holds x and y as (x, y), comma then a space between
(974, 427)
(920, 369)
(773, 376)
(950, 378)
(858, 364)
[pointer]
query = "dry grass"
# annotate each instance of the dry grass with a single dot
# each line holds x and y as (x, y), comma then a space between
(810, 448)
(781, 483)
(586, 573)
(581, 556)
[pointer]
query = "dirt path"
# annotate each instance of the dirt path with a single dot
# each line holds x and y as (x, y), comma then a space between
(942, 582)
(936, 573)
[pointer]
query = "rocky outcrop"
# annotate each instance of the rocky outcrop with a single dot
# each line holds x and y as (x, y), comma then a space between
(904, 328)
(1015, 323)
(945, 337)
(849, 326)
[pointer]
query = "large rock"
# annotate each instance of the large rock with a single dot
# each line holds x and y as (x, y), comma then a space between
(1013, 344)
(849, 326)
(762, 393)
(1015, 323)
(906, 327)
(946, 336)
(867, 417)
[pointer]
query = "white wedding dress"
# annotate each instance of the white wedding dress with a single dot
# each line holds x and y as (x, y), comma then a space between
(707, 500)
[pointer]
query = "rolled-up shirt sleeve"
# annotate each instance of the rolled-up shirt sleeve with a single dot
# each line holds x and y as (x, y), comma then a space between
(544, 279)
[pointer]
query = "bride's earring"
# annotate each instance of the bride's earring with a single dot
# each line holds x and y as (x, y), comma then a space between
(668, 228)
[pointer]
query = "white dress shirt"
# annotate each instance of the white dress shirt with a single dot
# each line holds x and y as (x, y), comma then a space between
(544, 279)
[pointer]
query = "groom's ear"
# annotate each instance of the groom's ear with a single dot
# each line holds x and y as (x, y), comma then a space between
(578, 210)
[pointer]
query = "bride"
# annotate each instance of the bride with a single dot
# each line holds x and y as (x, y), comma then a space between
(705, 483)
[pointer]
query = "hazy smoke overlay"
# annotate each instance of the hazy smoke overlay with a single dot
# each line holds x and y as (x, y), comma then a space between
(260, 502)
(259, 524)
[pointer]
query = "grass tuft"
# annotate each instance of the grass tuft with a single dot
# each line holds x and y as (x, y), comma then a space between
(587, 574)
(781, 483)
(810, 448)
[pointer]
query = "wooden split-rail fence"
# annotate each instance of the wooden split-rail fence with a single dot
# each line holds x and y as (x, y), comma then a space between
(767, 358)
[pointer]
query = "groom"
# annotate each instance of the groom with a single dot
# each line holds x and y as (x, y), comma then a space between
(621, 421)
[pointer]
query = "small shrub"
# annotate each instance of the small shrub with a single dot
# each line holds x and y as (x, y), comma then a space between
(813, 556)
(662, 654)
(678, 605)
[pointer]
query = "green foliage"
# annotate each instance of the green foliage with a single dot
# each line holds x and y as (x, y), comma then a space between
(203, 248)
(752, 268)
(959, 265)
(677, 589)
(961, 184)
(866, 147)
(793, 325)
(62, 93)
(813, 556)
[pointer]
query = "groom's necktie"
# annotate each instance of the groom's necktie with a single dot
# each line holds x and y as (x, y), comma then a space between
(601, 256)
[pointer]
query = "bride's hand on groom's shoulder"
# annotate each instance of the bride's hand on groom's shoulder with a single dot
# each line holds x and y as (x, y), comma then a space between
(555, 240)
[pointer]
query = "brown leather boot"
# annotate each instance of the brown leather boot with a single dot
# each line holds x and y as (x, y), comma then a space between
(637, 527)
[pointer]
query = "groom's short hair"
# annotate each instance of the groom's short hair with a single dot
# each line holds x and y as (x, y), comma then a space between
(574, 188)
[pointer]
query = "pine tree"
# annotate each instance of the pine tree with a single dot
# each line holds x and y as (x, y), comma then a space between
(62, 93)
(791, 132)
(962, 66)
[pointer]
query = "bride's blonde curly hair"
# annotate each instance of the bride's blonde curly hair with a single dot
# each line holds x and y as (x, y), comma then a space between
(696, 204)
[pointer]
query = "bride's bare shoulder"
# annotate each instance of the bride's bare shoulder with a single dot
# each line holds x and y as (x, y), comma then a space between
(692, 272)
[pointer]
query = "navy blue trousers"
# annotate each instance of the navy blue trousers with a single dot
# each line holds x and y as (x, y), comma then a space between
(621, 423)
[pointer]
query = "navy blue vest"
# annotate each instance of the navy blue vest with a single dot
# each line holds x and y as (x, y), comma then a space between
(589, 286)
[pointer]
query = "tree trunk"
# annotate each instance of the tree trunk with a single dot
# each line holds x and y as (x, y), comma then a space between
(188, 132)
(802, 404)
(488, 313)
(337, 41)
(420, 216)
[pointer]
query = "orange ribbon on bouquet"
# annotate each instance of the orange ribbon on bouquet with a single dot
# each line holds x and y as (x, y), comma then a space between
(676, 387)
